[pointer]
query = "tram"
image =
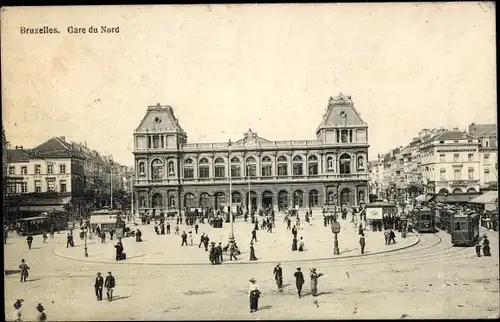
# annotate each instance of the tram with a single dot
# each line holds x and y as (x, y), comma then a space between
(33, 225)
(462, 225)
(424, 219)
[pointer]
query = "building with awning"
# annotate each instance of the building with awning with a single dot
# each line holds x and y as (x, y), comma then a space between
(425, 197)
(457, 198)
(488, 199)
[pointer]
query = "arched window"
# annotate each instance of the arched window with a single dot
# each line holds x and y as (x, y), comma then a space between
(330, 166)
(344, 136)
(298, 199)
(471, 190)
(205, 200)
(189, 201)
(203, 169)
(267, 167)
(236, 197)
(346, 197)
(361, 162)
(171, 202)
(157, 169)
(282, 200)
(220, 169)
(142, 202)
(297, 165)
(444, 191)
(251, 167)
(345, 164)
(220, 198)
(457, 190)
(313, 165)
(188, 169)
(235, 167)
(313, 198)
(157, 200)
(282, 166)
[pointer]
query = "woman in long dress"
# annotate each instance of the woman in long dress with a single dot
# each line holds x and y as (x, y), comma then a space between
(253, 294)
(252, 253)
(314, 281)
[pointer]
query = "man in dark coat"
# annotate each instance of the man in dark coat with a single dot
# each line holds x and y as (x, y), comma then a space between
(184, 237)
(219, 252)
(168, 228)
(299, 281)
(202, 240)
(98, 285)
(278, 277)
(110, 284)
(30, 240)
(362, 243)
(196, 228)
(254, 235)
(294, 231)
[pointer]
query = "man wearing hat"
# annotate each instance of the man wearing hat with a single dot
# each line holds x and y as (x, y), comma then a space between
(98, 285)
(24, 270)
(253, 294)
(42, 316)
(299, 280)
(17, 316)
(110, 283)
(278, 276)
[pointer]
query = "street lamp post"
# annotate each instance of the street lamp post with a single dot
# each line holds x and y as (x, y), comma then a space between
(85, 230)
(231, 234)
(335, 231)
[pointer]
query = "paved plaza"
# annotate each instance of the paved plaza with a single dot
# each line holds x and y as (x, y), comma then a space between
(270, 247)
(430, 279)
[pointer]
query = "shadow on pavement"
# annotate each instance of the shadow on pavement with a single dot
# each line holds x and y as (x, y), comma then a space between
(119, 297)
(32, 280)
(265, 307)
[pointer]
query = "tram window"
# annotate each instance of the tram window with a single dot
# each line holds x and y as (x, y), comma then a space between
(457, 226)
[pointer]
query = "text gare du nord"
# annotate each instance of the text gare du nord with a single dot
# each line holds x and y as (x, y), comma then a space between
(94, 30)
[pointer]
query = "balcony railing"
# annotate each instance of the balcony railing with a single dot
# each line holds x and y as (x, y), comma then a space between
(256, 180)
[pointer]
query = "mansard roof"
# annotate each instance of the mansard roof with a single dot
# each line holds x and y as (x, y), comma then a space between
(53, 144)
(252, 137)
(483, 130)
(452, 135)
(160, 118)
(341, 112)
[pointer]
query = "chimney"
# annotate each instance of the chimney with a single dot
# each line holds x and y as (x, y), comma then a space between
(63, 138)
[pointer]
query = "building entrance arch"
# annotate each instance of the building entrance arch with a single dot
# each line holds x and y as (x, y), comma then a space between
(157, 200)
(220, 198)
(253, 200)
(267, 199)
(282, 200)
(346, 197)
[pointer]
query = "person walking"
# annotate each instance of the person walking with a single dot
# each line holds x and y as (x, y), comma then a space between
(299, 281)
(191, 238)
(103, 237)
(294, 243)
(29, 239)
(252, 253)
(386, 236)
(177, 229)
(362, 243)
(302, 246)
(98, 285)
(17, 316)
(24, 270)
(254, 236)
(119, 251)
(202, 240)
(168, 227)
(44, 237)
(253, 294)
(219, 253)
(196, 228)
(314, 281)
(41, 316)
(392, 237)
(478, 249)
(110, 284)
(232, 251)
(294, 231)
(184, 239)
(69, 241)
(486, 246)
(278, 277)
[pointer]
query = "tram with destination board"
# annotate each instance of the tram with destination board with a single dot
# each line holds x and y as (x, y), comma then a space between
(424, 219)
(462, 225)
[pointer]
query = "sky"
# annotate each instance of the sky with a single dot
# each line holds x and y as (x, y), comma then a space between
(227, 68)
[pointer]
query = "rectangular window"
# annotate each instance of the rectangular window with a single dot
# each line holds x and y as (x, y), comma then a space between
(38, 186)
(471, 173)
(63, 185)
(470, 157)
(204, 172)
(12, 170)
(235, 171)
(38, 169)
(156, 142)
(62, 168)
(457, 174)
(266, 171)
(442, 158)
(486, 159)
(251, 170)
(442, 174)
(456, 157)
(297, 169)
(282, 170)
(188, 172)
(24, 170)
(313, 169)
(24, 187)
(219, 171)
(50, 169)
(51, 185)
(486, 175)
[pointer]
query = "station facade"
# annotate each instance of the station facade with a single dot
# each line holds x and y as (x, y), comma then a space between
(172, 174)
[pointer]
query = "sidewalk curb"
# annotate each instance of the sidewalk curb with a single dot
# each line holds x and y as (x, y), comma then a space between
(238, 263)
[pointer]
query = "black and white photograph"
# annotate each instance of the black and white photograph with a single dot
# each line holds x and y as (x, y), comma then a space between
(250, 162)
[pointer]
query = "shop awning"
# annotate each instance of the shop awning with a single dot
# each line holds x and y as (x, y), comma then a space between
(488, 197)
(455, 198)
(424, 197)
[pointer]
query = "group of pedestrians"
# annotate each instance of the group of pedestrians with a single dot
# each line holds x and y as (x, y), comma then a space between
(18, 314)
(109, 283)
(485, 245)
